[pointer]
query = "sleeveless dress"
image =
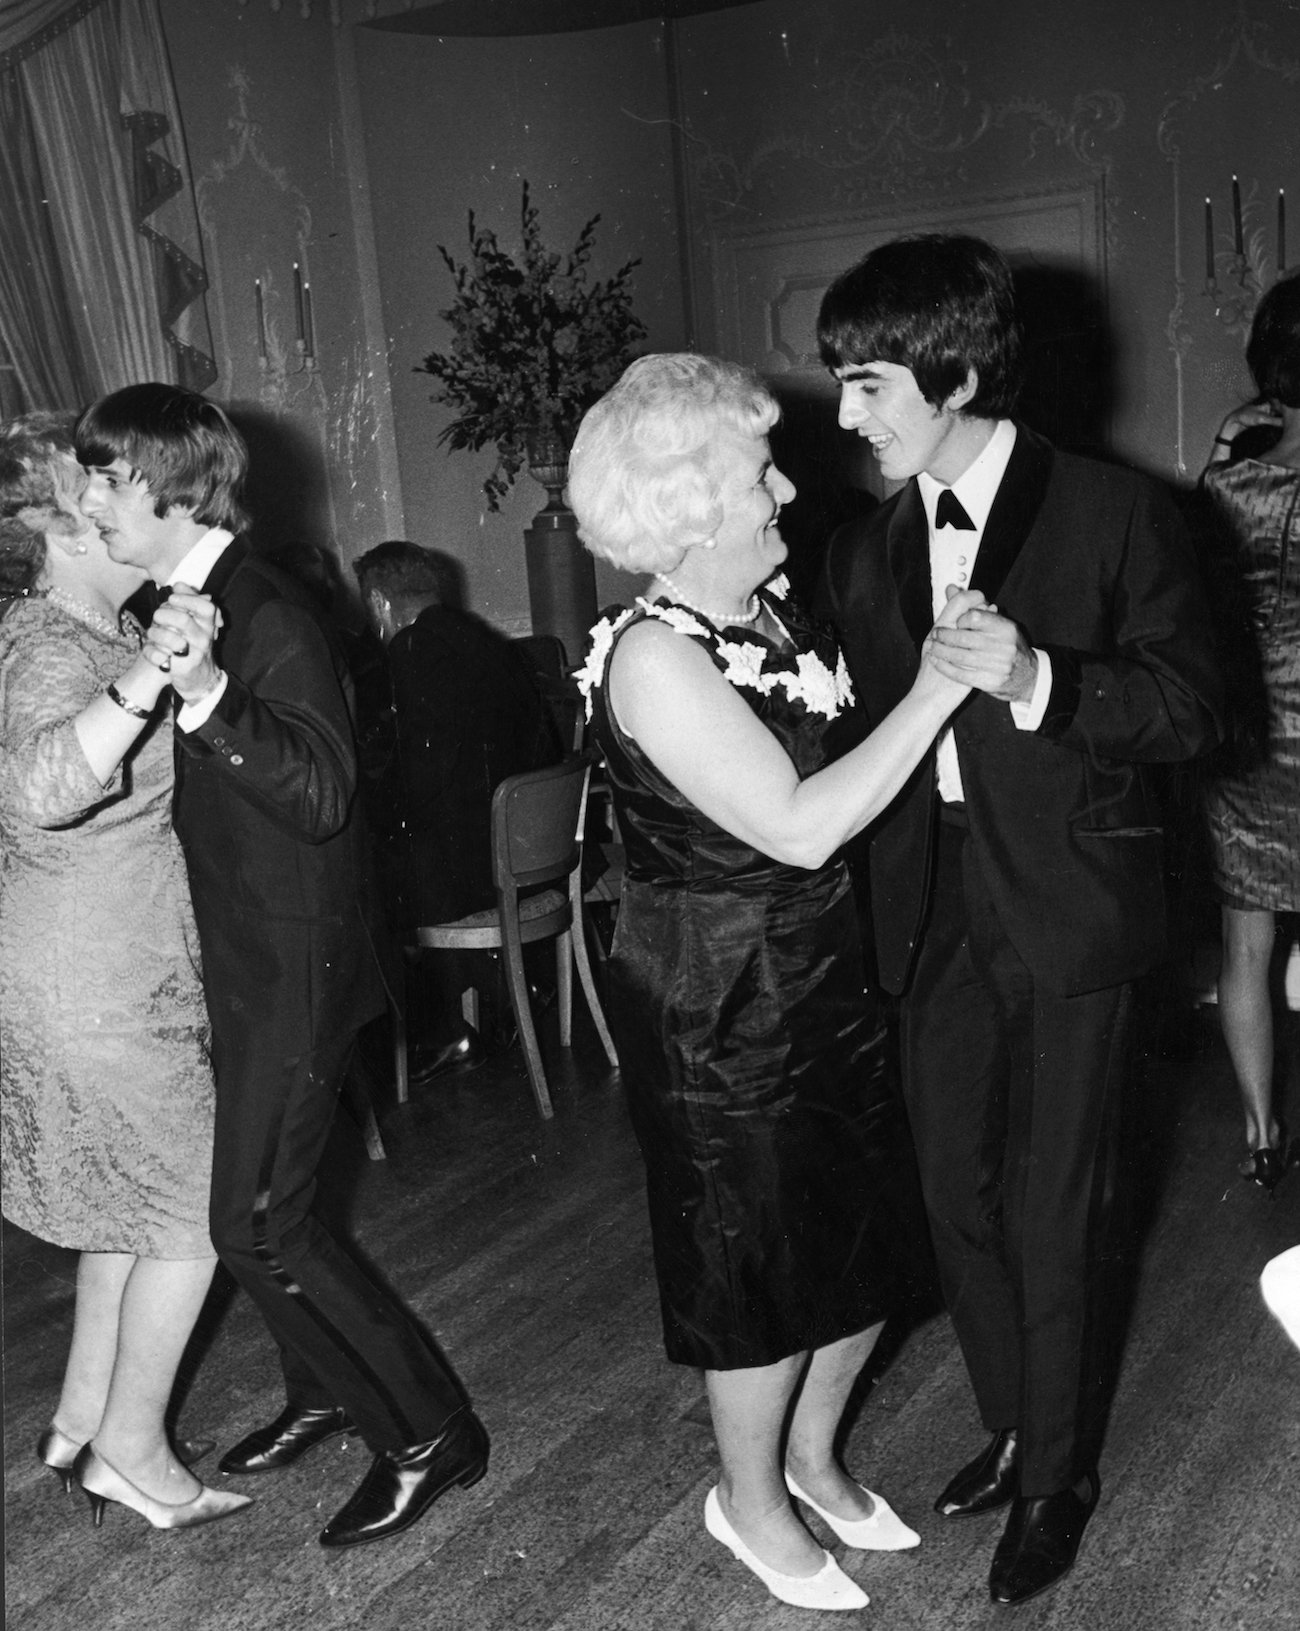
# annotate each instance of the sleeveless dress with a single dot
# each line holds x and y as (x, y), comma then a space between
(106, 1098)
(1253, 808)
(752, 1053)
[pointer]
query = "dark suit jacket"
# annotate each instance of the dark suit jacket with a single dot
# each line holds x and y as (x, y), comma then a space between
(1094, 563)
(467, 715)
(264, 807)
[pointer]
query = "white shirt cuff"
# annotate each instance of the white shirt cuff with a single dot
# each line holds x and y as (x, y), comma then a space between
(1028, 716)
(194, 714)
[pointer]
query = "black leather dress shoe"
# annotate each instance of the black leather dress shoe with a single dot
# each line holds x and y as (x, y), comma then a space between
(988, 1482)
(1041, 1541)
(464, 1052)
(286, 1440)
(403, 1484)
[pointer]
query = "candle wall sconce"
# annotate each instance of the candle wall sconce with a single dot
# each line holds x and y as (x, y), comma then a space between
(1236, 278)
(271, 356)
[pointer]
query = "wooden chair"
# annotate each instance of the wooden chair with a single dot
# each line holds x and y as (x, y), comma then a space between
(538, 819)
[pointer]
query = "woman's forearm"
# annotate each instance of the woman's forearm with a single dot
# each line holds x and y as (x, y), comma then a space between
(109, 726)
(824, 811)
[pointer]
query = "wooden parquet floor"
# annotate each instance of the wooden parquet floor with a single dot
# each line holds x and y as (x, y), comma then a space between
(523, 1247)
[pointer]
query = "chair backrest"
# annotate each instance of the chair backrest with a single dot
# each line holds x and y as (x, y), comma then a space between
(535, 818)
(544, 653)
(548, 665)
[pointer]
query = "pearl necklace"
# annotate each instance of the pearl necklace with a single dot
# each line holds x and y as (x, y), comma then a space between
(83, 613)
(719, 620)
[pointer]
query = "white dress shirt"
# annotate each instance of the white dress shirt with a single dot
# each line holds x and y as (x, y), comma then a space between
(952, 560)
(194, 569)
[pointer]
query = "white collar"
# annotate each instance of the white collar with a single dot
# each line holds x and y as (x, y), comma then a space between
(977, 486)
(193, 567)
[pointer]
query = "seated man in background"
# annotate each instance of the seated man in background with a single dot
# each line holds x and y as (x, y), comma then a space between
(466, 714)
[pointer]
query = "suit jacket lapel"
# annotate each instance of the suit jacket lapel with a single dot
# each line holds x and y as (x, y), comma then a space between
(227, 564)
(909, 560)
(1019, 499)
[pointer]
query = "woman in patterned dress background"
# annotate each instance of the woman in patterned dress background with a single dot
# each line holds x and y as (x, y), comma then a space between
(105, 1085)
(753, 1053)
(1253, 808)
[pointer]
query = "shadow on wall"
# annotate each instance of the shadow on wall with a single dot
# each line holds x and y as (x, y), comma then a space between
(1069, 389)
(830, 468)
(287, 492)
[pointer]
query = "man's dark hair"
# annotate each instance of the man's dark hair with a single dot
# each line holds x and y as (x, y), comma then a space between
(1273, 351)
(403, 571)
(184, 446)
(935, 303)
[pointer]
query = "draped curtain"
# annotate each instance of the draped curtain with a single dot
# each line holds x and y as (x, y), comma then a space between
(101, 278)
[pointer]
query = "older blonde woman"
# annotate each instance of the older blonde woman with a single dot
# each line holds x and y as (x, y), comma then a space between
(106, 1101)
(753, 1054)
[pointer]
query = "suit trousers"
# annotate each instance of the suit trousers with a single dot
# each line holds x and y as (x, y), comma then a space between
(1014, 1095)
(344, 1340)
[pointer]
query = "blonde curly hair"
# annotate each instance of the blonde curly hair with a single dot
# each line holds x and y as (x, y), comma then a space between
(647, 466)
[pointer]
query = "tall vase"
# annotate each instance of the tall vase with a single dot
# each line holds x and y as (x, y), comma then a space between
(561, 574)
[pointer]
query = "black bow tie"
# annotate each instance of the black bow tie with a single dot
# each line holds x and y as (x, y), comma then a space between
(146, 600)
(948, 512)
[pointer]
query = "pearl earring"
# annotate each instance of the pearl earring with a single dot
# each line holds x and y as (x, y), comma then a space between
(81, 549)
(710, 543)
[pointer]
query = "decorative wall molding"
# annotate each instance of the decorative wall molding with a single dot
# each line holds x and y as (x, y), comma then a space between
(337, 12)
(899, 117)
(770, 279)
(285, 379)
(1246, 42)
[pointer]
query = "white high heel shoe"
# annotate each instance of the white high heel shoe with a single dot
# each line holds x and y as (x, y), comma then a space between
(829, 1588)
(883, 1531)
(103, 1483)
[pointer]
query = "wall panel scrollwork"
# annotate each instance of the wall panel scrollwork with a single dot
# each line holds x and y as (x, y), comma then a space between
(1250, 82)
(896, 116)
(283, 378)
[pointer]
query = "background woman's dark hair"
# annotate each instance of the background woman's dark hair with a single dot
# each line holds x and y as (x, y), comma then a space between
(1273, 352)
(935, 303)
(184, 446)
(29, 449)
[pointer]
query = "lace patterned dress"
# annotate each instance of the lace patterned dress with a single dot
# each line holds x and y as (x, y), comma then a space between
(752, 1052)
(1253, 810)
(105, 1085)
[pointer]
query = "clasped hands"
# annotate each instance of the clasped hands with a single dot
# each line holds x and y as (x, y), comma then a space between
(973, 645)
(179, 642)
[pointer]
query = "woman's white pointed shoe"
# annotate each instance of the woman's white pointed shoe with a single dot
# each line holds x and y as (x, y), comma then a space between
(883, 1531)
(829, 1588)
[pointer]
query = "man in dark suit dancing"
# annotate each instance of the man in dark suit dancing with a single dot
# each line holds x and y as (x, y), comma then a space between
(265, 784)
(1016, 882)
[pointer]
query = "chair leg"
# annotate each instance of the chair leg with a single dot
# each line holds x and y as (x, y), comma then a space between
(517, 981)
(355, 1094)
(400, 1074)
(370, 1132)
(564, 987)
(583, 961)
(469, 1006)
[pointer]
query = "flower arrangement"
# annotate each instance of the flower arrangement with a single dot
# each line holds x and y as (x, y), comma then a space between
(534, 343)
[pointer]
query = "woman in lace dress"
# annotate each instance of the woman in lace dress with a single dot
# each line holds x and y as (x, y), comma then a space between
(753, 1055)
(1253, 808)
(105, 1087)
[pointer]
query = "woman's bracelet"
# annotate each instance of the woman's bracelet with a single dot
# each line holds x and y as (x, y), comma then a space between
(136, 712)
(1225, 441)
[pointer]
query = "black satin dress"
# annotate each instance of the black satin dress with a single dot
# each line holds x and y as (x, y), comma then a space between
(752, 1053)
